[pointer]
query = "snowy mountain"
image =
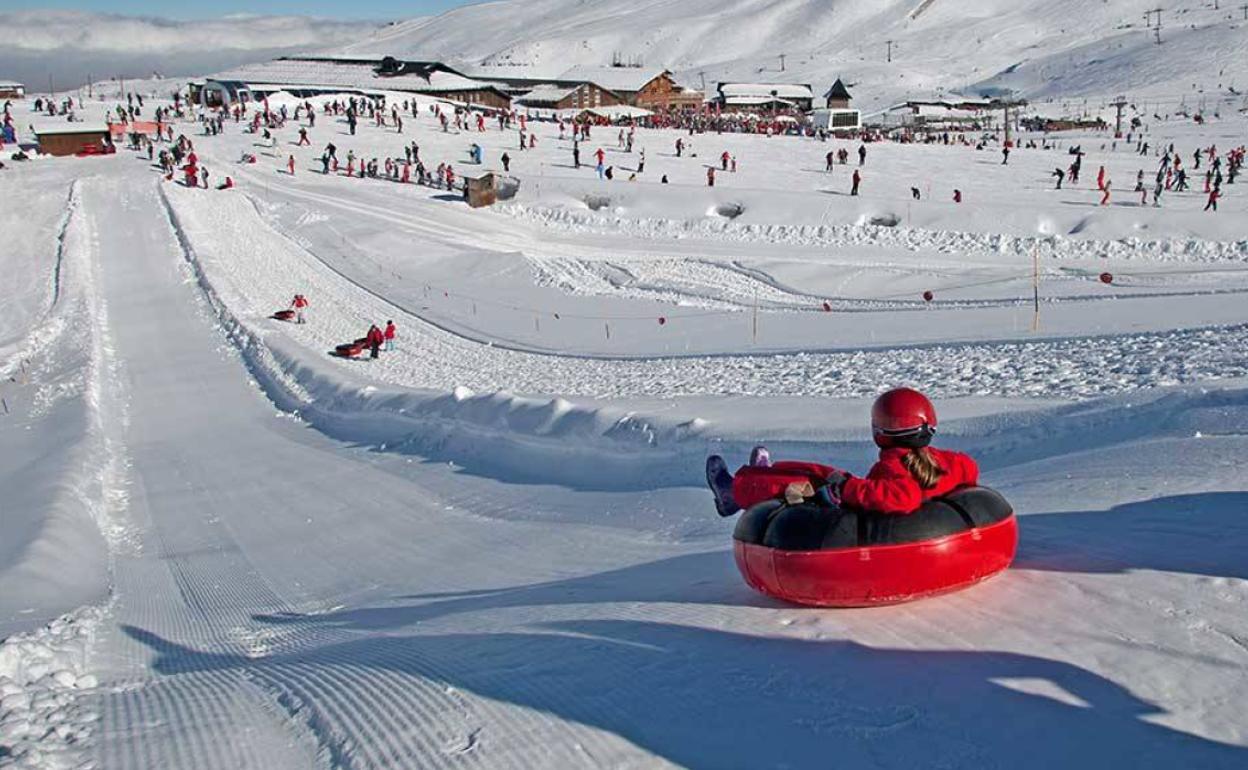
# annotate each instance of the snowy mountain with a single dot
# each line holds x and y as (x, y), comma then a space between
(69, 48)
(1034, 48)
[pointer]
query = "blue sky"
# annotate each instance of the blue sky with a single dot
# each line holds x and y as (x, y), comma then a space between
(338, 9)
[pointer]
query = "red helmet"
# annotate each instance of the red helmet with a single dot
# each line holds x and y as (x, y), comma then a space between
(903, 417)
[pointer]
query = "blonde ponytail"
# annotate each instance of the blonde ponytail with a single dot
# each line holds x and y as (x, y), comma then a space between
(923, 467)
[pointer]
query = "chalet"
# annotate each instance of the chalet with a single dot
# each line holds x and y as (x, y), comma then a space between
(11, 90)
(764, 97)
(837, 97)
(73, 138)
(836, 115)
(308, 76)
(654, 90)
(576, 97)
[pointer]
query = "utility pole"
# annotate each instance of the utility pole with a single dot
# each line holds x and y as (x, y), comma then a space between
(1118, 104)
(782, 62)
(890, 49)
(1244, 8)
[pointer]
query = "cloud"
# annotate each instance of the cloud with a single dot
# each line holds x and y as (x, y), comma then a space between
(71, 45)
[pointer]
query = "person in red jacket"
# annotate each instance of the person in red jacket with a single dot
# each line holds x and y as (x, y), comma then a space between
(908, 473)
(374, 339)
(390, 334)
(300, 304)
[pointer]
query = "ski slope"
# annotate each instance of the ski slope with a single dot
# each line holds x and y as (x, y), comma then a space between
(1035, 49)
(492, 547)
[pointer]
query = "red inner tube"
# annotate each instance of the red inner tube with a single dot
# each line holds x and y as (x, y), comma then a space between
(843, 558)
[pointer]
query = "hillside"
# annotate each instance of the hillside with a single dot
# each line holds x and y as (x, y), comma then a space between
(1036, 48)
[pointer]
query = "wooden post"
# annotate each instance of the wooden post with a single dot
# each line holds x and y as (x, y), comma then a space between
(754, 333)
(1035, 288)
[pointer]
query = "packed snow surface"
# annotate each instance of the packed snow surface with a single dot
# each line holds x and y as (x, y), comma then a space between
(492, 547)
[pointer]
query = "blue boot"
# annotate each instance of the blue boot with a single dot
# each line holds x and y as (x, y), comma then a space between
(719, 479)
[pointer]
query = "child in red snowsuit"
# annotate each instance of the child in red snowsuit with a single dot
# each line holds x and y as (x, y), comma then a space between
(908, 473)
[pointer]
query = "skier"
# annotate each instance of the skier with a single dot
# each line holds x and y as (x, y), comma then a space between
(374, 338)
(957, 196)
(1005, 155)
(909, 472)
(710, 176)
(576, 156)
(680, 147)
(914, 193)
(830, 158)
(723, 160)
(303, 138)
(389, 334)
(506, 163)
(1060, 175)
(857, 179)
(641, 162)
(1212, 203)
(862, 154)
(290, 165)
(1105, 192)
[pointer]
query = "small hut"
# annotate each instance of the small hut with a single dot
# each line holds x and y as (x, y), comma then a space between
(74, 138)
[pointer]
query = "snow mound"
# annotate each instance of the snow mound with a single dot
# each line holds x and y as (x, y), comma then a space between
(43, 721)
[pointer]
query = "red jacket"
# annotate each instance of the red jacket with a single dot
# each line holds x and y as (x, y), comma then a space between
(390, 331)
(889, 487)
(374, 336)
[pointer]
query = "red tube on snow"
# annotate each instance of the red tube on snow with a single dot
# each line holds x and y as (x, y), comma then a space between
(825, 557)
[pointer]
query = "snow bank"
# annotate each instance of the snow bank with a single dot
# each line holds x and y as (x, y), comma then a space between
(60, 504)
(703, 216)
(44, 723)
(61, 479)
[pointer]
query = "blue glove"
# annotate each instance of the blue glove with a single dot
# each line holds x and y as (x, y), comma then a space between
(830, 493)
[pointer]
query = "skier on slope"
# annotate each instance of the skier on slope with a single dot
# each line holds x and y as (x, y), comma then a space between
(855, 180)
(908, 473)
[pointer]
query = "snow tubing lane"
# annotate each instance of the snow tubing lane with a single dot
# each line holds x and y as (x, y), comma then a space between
(809, 554)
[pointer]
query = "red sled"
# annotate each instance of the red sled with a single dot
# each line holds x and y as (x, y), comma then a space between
(351, 349)
(828, 557)
(284, 315)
